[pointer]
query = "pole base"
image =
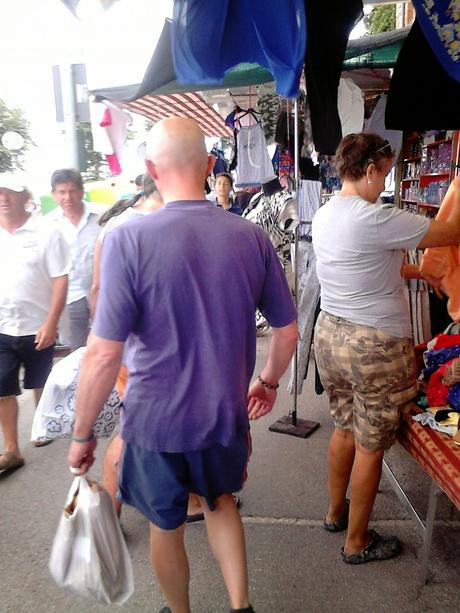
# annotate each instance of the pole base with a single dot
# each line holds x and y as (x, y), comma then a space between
(302, 429)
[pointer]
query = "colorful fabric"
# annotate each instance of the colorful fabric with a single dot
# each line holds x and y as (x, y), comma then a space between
(436, 453)
(369, 376)
(444, 262)
(446, 340)
(436, 390)
(453, 396)
(452, 372)
(440, 23)
(441, 356)
(277, 216)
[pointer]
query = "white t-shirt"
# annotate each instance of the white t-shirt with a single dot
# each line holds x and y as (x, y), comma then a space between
(81, 240)
(32, 256)
(359, 246)
(118, 220)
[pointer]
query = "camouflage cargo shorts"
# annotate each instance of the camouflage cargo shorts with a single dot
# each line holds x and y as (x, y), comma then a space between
(369, 376)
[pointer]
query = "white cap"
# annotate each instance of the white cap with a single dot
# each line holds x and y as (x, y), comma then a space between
(12, 182)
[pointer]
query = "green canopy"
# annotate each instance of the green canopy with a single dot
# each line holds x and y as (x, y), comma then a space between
(378, 51)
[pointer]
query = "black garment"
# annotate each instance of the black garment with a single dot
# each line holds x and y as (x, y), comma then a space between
(422, 96)
(328, 27)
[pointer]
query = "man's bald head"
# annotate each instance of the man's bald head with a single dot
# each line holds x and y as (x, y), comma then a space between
(177, 142)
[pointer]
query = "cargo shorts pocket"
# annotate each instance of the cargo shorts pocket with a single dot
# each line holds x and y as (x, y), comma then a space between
(403, 397)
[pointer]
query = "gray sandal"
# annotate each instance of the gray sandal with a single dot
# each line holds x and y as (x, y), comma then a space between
(340, 524)
(379, 548)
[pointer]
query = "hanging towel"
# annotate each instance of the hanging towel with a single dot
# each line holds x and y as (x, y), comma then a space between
(444, 262)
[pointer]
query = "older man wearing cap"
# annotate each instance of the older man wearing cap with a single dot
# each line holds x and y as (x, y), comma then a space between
(33, 288)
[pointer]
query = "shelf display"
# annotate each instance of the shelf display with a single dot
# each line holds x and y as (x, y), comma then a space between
(428, 165)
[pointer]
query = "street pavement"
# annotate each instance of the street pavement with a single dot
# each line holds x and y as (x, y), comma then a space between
(294, 565)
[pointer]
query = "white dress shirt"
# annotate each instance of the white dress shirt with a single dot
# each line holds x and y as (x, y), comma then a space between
(31, 257)
(81, 240)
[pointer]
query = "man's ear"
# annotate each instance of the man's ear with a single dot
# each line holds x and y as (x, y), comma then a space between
(211, 162)
(151, 169)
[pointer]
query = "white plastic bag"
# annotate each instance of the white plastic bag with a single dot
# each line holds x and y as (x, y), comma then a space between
(55, 414)
(89, 554)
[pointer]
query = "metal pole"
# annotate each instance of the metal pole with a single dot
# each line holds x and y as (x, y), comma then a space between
(70, 124)
(296, 271)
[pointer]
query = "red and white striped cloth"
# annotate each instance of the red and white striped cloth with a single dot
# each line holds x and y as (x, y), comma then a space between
(188, 104)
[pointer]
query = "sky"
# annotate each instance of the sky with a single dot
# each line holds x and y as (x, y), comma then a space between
(41, 33)
(36, 34)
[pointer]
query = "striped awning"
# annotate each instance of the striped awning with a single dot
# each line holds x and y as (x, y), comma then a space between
(181, 105)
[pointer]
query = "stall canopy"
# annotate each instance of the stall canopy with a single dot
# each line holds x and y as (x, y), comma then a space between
(371, 52)
(377, 51)
(160, 77)
(190, 105)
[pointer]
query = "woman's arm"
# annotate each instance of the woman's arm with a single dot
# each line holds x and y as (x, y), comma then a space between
(96, 277)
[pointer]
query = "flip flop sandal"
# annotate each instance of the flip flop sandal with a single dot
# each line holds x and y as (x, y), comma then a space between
(340, 524)
(193, 518)
(9, 460)
(42, 441)
(379, 548)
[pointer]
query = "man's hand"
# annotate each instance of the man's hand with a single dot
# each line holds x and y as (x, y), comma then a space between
(46, 336)
(435, 283)
(81, 456)
(260, 400)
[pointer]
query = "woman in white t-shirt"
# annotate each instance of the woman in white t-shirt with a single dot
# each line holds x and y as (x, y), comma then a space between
(144, 202)
(363, 342)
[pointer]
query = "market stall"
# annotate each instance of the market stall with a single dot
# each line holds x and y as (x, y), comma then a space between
(367, 62)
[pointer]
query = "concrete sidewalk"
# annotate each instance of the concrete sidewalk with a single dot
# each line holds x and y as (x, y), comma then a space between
(295, 566)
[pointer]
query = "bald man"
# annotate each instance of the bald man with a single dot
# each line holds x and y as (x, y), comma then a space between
(184, 285)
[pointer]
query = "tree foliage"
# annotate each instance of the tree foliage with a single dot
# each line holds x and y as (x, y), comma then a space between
(381, 19)
(92, 164)
(13, 120)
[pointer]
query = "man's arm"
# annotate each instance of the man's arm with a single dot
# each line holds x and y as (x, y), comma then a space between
(282, 346)
(445, 233)
(46, 334)
(98, 373)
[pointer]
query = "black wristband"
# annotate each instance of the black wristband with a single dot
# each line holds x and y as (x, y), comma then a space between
(269, 386)
(77, 439)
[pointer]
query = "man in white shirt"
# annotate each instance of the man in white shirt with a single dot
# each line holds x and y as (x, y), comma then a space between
(80, 228)
(33, 287)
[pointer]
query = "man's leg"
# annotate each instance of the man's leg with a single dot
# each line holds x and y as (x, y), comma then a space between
(9, 410)
(170, 564)
(341, 453)
(37, 395)
(110, 470)
(365, 478)
(226, 538)
(79, 318)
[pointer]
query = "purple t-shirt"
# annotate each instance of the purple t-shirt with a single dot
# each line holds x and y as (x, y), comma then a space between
(184, 283)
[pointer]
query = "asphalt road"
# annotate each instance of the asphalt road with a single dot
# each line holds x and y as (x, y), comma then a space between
(294, 565)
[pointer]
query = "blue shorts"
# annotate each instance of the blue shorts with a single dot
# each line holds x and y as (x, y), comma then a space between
(17, 351)
(158, 484)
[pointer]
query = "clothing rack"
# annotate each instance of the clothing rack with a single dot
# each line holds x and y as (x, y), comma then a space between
(290, 424)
